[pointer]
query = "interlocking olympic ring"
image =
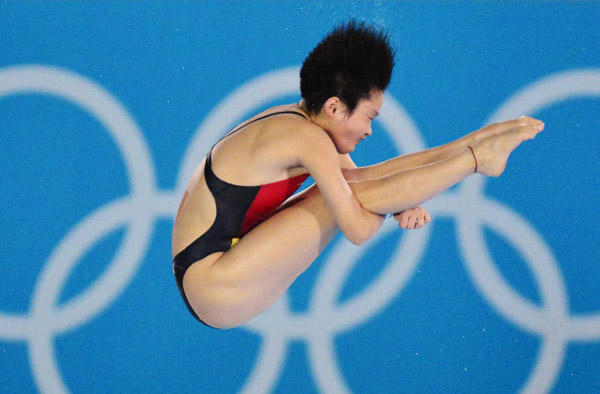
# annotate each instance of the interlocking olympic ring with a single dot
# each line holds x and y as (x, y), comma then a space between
(325, 318)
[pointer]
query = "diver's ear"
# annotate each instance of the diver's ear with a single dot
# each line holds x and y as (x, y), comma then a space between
(333, 107)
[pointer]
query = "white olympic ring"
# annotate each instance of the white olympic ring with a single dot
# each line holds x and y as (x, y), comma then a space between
(325, 319)
(45, 321)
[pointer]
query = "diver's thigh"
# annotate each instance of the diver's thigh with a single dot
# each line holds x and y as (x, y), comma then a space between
(230, 289)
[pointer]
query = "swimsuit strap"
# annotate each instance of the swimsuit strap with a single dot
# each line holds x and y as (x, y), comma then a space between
(257, 119)
(215, 184)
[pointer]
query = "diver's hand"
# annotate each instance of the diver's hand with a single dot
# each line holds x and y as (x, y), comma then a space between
(413, 218)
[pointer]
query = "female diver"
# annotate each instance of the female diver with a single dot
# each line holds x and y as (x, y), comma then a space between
(240, 238)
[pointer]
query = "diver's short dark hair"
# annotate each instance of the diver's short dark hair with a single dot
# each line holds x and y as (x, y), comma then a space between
(348, 63)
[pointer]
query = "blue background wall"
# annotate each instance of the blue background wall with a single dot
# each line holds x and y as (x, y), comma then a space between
(102, 103)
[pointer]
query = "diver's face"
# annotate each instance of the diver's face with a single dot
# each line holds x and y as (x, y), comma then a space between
(355, 127)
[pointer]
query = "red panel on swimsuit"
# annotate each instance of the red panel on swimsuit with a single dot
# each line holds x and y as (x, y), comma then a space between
(268, 199)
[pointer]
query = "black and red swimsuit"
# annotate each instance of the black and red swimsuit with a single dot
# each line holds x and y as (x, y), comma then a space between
(239, 210)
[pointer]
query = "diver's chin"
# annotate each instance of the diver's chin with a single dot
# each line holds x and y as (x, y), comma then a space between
(345, 150)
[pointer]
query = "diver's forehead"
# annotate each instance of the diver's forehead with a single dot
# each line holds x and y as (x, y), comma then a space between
(373, 104)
